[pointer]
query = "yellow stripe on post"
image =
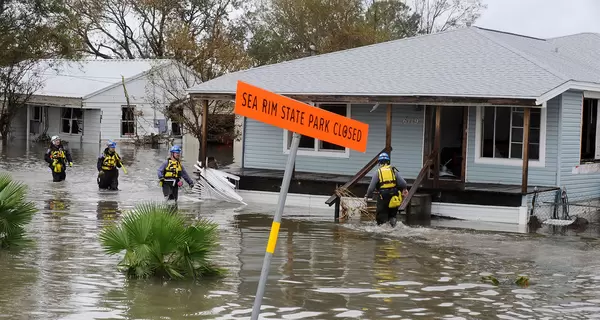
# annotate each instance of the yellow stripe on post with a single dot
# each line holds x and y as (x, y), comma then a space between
(273, 237)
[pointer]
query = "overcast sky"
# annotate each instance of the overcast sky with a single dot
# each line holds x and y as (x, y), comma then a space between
(542, 18)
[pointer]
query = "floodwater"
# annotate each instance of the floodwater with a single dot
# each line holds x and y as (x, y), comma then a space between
(320, 270)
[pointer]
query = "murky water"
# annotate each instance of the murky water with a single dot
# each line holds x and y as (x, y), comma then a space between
(320, 270)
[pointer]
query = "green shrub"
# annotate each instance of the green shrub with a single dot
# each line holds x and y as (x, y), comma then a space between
(158, 243)
(15, 212)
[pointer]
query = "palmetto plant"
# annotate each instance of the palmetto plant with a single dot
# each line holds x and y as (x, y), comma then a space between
(15, 212)
(158, 242)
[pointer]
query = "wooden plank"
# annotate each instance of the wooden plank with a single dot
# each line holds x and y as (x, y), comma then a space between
(436, 146)
(526, 125)
(463, 171)
(213, 96)
(406, 100)
(417, 182)
(427, 146)
(358, 176)
(441, 100)
(388, 127)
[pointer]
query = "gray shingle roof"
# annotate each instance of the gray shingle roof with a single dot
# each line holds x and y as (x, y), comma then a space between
(582, 47)
(467, 62)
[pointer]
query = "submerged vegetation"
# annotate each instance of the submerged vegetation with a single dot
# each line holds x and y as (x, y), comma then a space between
(15, 212)
(158, 243)
(521, 281)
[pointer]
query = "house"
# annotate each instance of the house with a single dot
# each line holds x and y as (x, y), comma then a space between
(462, 100)
(84, 101)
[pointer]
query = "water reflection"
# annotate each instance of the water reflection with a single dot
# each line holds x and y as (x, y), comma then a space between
(58, 204)
(107, 210)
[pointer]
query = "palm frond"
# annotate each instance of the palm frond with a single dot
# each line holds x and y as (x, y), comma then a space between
(15, 211)
(157, 242)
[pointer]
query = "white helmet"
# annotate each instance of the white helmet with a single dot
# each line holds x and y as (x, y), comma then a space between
(54, 138)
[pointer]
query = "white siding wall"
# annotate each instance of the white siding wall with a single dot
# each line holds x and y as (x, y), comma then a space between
(141, 93)
(91, 126)
(579, 186)
(18, 127)
(54, 126)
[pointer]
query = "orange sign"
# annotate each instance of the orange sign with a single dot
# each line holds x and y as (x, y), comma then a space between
(286, 113)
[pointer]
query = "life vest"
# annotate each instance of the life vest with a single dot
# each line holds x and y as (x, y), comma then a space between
(57, 154)
(173, 169)
(387, 177)
(58, 159)
(110, 161)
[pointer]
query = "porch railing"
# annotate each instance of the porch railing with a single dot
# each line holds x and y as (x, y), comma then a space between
(417, 183)
(335, 199)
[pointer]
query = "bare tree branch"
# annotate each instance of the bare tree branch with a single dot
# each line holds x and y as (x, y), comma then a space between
(442, 15)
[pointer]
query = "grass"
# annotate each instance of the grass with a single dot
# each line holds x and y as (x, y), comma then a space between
(158, 243)
(15, 212)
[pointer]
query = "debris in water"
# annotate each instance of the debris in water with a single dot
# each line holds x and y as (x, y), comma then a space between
(522, 281)
(491, 279)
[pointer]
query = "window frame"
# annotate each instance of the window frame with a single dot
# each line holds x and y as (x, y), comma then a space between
(514, 162)
(71, 119)
(316, 152)
(123, 121)
(597, 133)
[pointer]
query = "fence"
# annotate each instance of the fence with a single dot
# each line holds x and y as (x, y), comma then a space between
(555, 205)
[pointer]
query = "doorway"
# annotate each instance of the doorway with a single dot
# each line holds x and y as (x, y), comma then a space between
(453, 136)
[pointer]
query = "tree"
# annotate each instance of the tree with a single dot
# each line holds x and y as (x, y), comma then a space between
(129, 29)
(285, 29)
(174, 79)
(442, 15)
(391, 19)
(196, 33)
(30, 30)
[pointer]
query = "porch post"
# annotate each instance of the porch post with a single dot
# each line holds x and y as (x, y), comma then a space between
(463, 175)
(388, 128)
(526, 125)
(204, 133)
(28, 125)
(436, 146)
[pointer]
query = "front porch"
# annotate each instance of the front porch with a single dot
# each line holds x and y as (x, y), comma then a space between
(308, 183)
(46, 116)
(439, 156)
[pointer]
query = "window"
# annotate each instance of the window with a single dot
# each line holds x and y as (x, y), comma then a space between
(590, 151)
(313, 147)
(175, 128)
(127, 121)
(499, 134)
(36, 119)
(37, 113)
(71, 120)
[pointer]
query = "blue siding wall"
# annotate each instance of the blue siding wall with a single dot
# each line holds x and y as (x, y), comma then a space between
(491, 173)
(579, 186)
(264, 144)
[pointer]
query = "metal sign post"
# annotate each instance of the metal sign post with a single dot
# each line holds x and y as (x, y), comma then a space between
(285, 185)
(301, 119)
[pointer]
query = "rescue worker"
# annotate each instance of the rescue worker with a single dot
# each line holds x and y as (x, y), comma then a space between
(108, 166)
(170, 174)
(58, 157)
(388, 182)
